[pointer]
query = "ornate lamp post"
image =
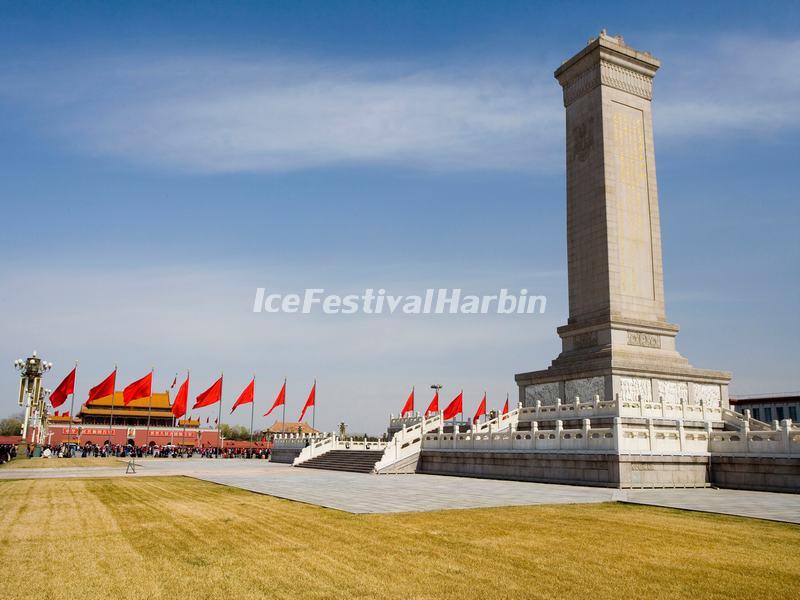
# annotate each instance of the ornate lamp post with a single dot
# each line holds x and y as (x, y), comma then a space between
(32, 395)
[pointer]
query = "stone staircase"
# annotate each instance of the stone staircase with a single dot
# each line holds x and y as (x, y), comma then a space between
(353, 461)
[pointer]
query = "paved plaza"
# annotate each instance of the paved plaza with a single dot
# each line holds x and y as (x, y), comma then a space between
(362, 494)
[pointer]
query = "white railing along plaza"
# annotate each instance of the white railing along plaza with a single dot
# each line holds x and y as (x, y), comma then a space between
(654, 437)
(619, 408)
(408, 441)
(782, 439)
(293, 441)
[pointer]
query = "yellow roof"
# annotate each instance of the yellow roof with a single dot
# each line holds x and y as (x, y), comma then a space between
(159, 400)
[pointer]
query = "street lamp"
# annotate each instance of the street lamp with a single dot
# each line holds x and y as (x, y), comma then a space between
(31, 394)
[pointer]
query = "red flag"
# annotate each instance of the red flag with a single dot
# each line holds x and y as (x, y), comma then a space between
(433, 407)
(181, 398)
(409, 406)
(211, 396)
(55, 414)
(104, 388)
(66, 414)
(246, 396)
(64, 389)
(455, 407)
(505, 406)
(279, 401)
(312, 397)
(141, 388)
(481, 409)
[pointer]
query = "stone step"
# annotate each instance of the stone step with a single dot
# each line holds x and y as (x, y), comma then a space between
(354, 461)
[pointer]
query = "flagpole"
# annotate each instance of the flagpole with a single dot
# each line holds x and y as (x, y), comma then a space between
(113, 395)
(314, 407)
(72, 402)
(283, 418)
(252, 409)
(219, 417)
(149, 410)
(183, 440)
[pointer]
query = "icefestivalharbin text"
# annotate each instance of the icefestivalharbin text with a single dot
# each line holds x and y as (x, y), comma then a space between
(378, 302)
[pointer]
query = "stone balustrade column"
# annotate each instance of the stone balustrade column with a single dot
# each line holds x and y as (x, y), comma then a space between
(681, 434)
(535, 433)
(618, 434)
(786, 435)
(587, 426)
(559, 430)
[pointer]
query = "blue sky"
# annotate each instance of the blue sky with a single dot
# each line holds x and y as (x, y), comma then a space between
(160, 162)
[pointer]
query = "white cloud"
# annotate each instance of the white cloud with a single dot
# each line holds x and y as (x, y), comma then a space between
(731, 86)
(233, 114)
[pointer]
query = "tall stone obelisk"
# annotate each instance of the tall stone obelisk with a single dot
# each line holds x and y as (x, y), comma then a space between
(617, 342)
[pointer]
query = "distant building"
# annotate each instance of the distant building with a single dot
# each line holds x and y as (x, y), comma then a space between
(93, 424)
(769, 407)
(133, 415)
(290, 427)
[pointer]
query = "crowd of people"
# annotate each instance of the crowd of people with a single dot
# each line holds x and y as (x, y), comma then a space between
(7, 452)
(90, 449)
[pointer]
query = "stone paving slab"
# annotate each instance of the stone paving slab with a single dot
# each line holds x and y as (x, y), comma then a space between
(364, 494)
(743, 503)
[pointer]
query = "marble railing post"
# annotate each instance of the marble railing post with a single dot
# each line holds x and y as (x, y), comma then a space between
(681, 434)
(534, 433)
(587, 425)
(641, 406)
(746, 434)
(559, 430)
(663, 408)
(785, 434)
(651, 434)
(618, 433)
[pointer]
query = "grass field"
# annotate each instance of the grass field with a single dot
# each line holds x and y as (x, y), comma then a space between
(182, 538)
(61, 463)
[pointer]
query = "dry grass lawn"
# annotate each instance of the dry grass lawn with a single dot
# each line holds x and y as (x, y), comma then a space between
(180, 538)
(61, 463)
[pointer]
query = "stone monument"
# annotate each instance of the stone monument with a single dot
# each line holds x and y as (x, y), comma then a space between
(617, 343)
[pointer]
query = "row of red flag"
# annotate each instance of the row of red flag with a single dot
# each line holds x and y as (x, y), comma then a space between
(453, 409)
(143, 388)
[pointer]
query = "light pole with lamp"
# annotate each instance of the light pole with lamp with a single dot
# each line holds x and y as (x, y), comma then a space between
(31, 394)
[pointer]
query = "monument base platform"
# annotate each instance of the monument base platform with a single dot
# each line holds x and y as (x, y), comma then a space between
(592, 469)
(760, 473)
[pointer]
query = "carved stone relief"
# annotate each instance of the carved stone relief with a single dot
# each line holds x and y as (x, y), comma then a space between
(632, 388)
(585, 389)
(673, 391)
(544, 392)
(708, 394)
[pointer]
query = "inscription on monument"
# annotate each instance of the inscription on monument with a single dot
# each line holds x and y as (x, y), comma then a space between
(633, 204)
(646, 340)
